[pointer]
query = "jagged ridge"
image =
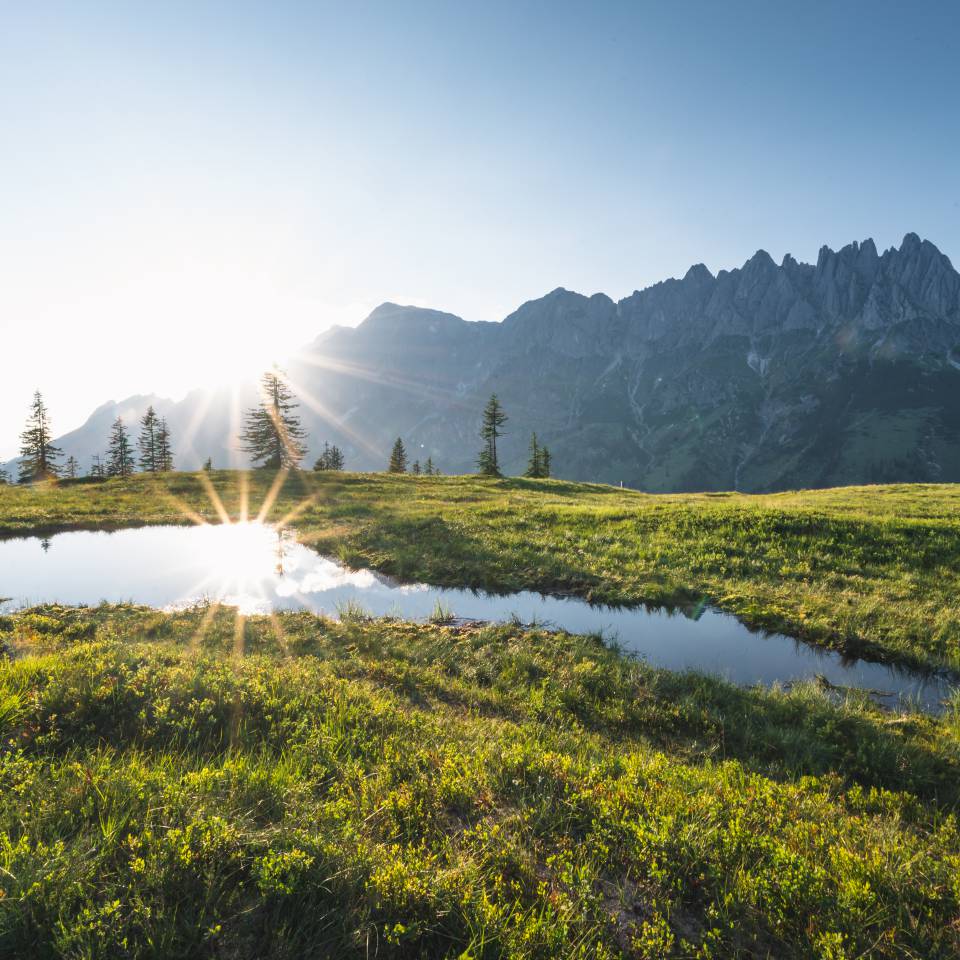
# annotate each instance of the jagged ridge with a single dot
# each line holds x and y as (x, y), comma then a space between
(762, 377)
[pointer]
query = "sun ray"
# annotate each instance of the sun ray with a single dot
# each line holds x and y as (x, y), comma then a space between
(196, 641)
(279, 632)
(188, 512)
(382, 378)
(239, 625)
(215, 500)
(324, 411)
(196, 591)
(236, 415)
(272, 494)
(244, 483)
(195, 421)
(181, 507)
(297, 511)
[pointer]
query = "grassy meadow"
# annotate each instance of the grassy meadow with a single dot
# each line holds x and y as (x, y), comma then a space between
(870, 570)
(201, 784)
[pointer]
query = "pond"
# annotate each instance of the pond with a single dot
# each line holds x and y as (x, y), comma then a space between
(252, 567)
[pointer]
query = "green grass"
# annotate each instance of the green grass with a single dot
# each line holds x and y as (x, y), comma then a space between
(867, 570)
(201, 785)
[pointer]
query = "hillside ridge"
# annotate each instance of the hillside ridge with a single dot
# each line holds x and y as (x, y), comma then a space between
(763, 377)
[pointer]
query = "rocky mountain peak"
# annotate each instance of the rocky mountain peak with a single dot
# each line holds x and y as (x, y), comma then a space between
(698, 275)
(761, 377)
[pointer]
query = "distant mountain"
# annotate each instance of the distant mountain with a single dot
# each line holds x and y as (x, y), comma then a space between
(760, 378)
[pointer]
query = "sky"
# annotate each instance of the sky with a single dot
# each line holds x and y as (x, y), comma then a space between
(191, 190)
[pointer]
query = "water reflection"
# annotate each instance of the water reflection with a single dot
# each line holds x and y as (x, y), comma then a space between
(251, 567)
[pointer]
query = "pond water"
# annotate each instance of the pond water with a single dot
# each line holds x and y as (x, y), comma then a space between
(255, 569)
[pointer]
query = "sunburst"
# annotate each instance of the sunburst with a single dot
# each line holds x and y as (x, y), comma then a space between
(231, 583)
(237, 578)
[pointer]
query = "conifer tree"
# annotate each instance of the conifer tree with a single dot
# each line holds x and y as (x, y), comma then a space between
(539, 463)
(273, 433)
(147, 442)
(490, 429)
(535, 463)
(398, 458)
(96, 467)
(208, 465)
(4, 477)
(119, 451)
(38, 454)
(331, 458)
(71, 468)
(164, 452)
(428, 467)
(416, 468)
(322, 462)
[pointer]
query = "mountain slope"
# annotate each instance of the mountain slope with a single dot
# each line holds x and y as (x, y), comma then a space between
(759, 378)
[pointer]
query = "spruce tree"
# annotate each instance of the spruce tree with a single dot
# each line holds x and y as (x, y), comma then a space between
(71, 468)
(147, 442)
(119, 451)
(416, 468)
(323, 461)
(539, 463)
(490, 429)
(208, 465)
(428, 467)
(273, 433)
(535, 463)
(398, 458)
(4, 477)
(38, 454)
(96, 467)
(331, 458)
(164, 453)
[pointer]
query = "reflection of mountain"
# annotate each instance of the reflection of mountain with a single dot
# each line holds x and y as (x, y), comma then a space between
(764, 377)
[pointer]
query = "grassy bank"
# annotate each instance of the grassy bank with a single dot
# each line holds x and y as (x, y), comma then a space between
(872, 570)
(201, 785)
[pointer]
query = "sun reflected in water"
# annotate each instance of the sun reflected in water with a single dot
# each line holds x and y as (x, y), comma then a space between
(251, 564)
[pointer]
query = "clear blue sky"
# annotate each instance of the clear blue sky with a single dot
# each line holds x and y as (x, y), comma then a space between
(230, 178)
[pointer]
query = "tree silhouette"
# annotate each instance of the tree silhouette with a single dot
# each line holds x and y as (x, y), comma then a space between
(164, 453)
(539, 462)
(398, 458)
(119, 451)
(490, 429)
(38, 454)
(273, 433)
(147, 442)
(331, 458)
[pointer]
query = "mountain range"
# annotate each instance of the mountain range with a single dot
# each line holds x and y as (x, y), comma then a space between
(766, 377)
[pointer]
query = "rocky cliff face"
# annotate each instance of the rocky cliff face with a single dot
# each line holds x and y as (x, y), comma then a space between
(761, 378)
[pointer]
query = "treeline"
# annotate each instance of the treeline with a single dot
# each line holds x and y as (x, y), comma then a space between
(488, 459)
(273, 437)
(40, 458)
